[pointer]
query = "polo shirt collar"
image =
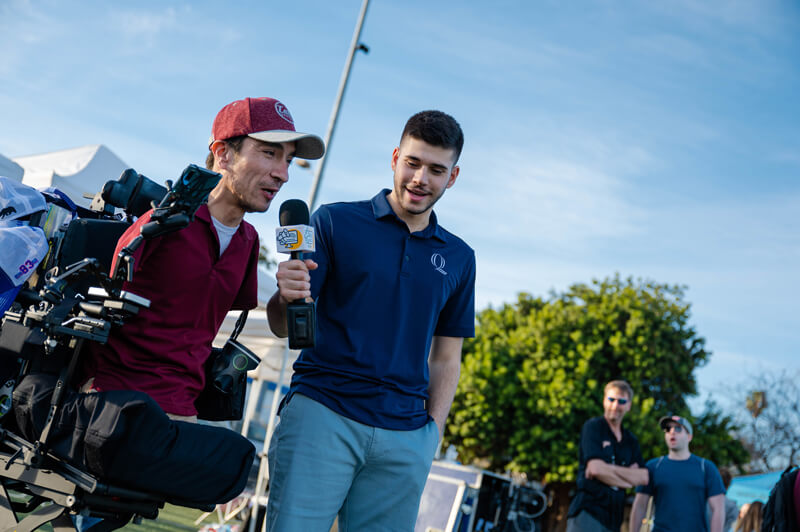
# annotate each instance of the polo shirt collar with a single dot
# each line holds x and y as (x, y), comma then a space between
(243, 232)
(381, 208)
(203, 213)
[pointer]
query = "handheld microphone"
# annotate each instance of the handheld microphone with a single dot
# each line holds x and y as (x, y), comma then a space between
(295, 236)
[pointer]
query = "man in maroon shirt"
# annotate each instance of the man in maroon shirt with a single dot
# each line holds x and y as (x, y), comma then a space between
(194, 276)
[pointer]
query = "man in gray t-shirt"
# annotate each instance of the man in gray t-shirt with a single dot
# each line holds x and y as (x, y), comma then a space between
(731, 508)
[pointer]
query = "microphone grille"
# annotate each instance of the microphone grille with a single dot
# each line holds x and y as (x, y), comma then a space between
(294, 212)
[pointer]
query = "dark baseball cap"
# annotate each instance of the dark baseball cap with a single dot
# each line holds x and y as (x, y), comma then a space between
(682, 421)
(264, 119)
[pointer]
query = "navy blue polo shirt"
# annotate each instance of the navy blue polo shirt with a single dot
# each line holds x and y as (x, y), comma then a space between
(382, 293)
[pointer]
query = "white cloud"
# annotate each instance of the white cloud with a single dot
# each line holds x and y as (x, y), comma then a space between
(757, 17)
(675, 47)
(145, 28)
(725, 364)
(24, 25)
(526, 202)
(727, 370)
(503, 273)
(788, 155)
(757, 231)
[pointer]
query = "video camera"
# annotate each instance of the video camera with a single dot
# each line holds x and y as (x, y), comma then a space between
(76, 299)
(71, 298)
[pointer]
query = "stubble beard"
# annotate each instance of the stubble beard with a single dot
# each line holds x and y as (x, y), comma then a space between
(249, 205)
(428, 206)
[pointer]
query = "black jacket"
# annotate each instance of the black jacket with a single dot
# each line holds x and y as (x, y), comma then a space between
(779, 512)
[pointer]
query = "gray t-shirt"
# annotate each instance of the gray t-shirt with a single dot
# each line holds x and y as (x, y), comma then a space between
(224, 233)
(731, 514)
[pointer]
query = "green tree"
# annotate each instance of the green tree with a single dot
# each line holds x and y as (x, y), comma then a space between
(535, 373)
(716, 437)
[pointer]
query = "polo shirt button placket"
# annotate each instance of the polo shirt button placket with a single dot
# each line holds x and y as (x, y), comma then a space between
(406, 263)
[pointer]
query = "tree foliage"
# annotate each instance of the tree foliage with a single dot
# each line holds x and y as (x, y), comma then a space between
(715, 437)
(535, 373)
(766, 408)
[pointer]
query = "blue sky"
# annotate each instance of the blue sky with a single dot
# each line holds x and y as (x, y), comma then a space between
(655, 139)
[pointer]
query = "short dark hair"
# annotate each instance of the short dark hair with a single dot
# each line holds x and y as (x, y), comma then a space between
(235, 144)
(726, 477)
(437, 129)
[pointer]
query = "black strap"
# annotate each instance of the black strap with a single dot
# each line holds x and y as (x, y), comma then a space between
(239, 325)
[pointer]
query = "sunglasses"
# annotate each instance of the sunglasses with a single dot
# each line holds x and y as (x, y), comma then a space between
(677, 428)
(620, 399)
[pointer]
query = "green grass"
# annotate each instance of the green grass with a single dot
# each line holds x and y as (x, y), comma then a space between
(170, 518)
(174, 518)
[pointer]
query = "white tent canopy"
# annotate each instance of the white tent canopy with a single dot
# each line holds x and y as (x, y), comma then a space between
(9, 168)
(75, 172)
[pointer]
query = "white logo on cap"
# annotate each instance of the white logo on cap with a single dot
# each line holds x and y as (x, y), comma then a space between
(283, 112)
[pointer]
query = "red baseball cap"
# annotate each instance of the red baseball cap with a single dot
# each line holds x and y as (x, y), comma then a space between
(264, 119)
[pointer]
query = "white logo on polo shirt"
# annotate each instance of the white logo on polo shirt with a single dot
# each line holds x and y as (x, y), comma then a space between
(438, 263)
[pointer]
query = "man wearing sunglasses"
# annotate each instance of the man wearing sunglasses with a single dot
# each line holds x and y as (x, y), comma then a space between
(681, 484)
(609, 461)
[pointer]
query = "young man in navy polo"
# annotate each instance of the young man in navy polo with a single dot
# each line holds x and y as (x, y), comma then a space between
(194, 276)
(395, 297)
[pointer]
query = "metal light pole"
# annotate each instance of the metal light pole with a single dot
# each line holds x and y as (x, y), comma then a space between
(355, 46)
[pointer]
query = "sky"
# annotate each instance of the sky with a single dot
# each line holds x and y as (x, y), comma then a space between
(658, 140)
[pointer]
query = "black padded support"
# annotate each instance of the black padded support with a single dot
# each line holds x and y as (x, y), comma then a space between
(89, 238)
(124, 438)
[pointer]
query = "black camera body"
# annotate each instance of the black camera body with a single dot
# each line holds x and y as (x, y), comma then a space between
(233, 361)
(58, 447)
(72, 298)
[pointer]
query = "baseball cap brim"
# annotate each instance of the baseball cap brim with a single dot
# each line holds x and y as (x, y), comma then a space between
(307, 146)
